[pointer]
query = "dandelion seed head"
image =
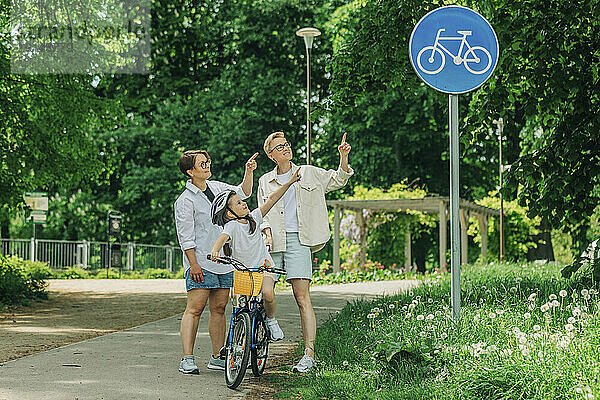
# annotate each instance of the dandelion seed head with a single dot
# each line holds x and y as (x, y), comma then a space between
(526, 315)
(552, 297)
(585, 292)
(536, 327)
(562, 293)
(420, 317)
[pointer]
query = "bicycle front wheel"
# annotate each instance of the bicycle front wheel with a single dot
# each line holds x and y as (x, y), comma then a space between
(260, 353)
(238, 351)
(477, 60)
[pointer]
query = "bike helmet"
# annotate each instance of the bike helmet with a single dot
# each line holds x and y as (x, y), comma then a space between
(219, 207)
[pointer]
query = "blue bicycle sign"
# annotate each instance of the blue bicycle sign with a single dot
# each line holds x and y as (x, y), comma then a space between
(477, 60)
(453, 49)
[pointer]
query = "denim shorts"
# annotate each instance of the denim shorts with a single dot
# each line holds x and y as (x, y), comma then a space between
(211, 281)
(296, 259)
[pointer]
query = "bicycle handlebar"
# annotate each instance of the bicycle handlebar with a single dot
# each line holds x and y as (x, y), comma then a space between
(241, 267)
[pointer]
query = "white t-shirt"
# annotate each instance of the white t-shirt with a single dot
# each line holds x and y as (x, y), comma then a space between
(289, 203)
(248, 248)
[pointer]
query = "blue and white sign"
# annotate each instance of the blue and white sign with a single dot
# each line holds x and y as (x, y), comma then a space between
(454, 49)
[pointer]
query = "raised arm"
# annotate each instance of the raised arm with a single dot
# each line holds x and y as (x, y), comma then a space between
(276, 195)
(249, 175)
(344, 149)
(219, 243)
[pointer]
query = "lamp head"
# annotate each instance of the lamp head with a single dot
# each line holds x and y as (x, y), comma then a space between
(308, 34)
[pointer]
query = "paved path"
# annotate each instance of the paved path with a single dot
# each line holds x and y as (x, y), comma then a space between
(142, 362)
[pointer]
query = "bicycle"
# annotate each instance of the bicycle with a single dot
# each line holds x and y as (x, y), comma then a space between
(470, 55)
(248, 337)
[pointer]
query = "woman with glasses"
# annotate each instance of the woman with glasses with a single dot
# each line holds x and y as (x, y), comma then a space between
(298, 224)
(206, 281)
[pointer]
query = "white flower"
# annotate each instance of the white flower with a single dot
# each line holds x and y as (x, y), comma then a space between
(420, 317)
(513, 289)
(492, 348)
(500, 312)
(576, 312)
(392, 306)
(522, 340)
(519, 279)
(492, 315)
(537, 336)
(562, 293)
(423, 334)
(525, 352)
(444, 335)
(404, 308)
(578, 390)
(584, 292)
(569, 327)
(430, 317)
(536, 327)
(371, 316)
(526, 315)
(571, 320)
(586, 297)
(531, 307)
(345, 363)
(552, 296)
(555, 303)
(540, 354)
(544, 307)
(532, 297)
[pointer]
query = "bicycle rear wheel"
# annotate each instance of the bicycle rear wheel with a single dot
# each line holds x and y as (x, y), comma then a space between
(238, 351)
(259, 354)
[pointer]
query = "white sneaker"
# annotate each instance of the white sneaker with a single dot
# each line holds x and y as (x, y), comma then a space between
(275, 331)
(305, 364)
(187, 365)
(216, 363)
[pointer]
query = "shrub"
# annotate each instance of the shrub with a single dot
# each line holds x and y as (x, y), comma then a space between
(157, 273)
(75, 273)
(112, 274)
(20, 281)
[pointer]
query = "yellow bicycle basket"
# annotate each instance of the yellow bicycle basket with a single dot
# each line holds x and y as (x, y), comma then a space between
(247, 283)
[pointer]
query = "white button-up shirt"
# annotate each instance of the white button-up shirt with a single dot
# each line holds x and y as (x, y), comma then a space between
(313, 220)
(195, 229)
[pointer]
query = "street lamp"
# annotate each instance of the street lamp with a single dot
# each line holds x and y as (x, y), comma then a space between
(500, 130)
(309, 35)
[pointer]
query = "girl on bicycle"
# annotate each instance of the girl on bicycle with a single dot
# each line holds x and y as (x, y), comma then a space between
(242, 229)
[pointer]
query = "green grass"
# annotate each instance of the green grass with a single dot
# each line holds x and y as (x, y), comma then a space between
(508, 345)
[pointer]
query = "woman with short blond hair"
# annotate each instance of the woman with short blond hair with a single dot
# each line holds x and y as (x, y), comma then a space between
(298, 224)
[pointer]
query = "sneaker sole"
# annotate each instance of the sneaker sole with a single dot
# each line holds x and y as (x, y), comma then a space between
(192, 372)
(215, 368)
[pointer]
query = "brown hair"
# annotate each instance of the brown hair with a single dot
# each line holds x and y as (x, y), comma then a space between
(187, 160)
(269, 139)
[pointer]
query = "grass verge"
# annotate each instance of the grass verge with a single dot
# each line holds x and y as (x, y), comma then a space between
(525, 333)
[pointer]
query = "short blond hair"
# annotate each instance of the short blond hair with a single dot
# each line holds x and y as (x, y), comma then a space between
(269, 139)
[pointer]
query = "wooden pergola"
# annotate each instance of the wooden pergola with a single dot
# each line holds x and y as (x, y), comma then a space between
(429, 205)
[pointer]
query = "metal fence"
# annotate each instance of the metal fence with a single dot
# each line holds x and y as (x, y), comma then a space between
(92, 255)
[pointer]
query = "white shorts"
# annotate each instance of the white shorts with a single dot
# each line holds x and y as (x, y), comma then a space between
(296, 259)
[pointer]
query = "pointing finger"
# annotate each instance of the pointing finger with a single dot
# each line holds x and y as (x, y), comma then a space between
(344, 138)
(253, 157)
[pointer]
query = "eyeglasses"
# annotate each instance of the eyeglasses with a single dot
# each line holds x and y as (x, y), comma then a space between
(280, 147)
(205, 164)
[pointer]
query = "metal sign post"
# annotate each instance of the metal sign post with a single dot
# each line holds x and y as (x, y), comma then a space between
(454, 50)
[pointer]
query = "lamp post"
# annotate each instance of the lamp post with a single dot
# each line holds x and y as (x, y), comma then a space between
(309, 35)
(499, 130)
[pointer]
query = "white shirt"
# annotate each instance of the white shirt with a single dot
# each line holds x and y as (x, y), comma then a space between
(194, 226)
(313, 220)
(289, 203)
(248, 248)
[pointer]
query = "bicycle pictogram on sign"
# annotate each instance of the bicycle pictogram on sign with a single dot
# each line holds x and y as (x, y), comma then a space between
(432, 59)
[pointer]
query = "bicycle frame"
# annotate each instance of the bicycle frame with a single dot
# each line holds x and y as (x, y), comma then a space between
(456, 57)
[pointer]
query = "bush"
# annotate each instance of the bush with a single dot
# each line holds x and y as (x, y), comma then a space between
(112, 274)
(20, 281)
(157, 273)
(75, 273)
